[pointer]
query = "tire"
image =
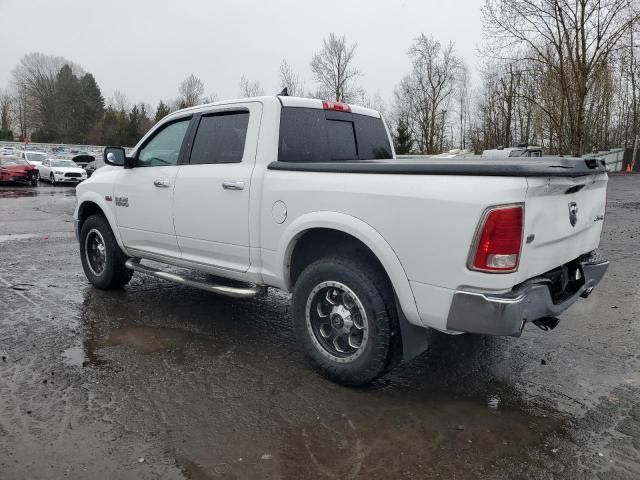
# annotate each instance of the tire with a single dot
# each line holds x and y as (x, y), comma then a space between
(52, 179)
(34, 182)
(349, 277)
(113, 273)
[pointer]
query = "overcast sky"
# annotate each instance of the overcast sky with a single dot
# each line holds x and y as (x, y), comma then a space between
(146, 48)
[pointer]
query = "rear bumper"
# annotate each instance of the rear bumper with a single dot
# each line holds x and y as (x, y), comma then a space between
(506, 313)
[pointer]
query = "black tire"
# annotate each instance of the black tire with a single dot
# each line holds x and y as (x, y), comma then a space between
(52, 179)
(34, 182)
(113, 274)
(375, 295)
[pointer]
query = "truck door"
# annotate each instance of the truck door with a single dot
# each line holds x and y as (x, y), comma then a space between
(212, 190)
(143, 195)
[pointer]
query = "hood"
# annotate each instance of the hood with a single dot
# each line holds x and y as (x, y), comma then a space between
(68, 169)
(16, 168)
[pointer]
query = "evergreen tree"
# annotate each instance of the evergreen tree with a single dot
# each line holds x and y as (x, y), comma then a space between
(162, 111)
(91, 109)
(67, 101)
(402, 140)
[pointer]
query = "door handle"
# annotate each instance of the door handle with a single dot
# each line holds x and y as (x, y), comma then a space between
(229, 185)
(161, 183)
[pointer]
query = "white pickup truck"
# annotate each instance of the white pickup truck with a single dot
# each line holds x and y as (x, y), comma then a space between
(308, 197)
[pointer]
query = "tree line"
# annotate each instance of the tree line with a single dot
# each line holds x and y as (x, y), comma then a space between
(561, 75)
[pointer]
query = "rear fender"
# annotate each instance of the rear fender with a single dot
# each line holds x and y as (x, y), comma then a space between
(361, 231)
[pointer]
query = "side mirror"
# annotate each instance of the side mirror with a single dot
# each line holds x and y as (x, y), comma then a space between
(114, 156)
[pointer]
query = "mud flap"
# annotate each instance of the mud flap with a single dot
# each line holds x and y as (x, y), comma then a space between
(414, 339)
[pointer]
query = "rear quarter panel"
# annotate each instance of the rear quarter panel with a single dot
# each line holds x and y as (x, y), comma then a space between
(427, 221)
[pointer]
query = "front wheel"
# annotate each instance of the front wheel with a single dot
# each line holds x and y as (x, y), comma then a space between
(344, 316)
(52, 179)
(102, 260)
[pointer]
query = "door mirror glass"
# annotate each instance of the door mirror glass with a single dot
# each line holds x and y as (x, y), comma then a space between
(114, 156)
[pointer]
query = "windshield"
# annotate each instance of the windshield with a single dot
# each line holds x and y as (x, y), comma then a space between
(38, 157)
(14, 161)
(62, 163)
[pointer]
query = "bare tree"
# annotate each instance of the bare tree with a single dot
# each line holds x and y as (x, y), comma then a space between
(574, 40)
(119, 101)
(423, 96)
(190, 92)
(290, 80)
(334, 70)
(34, 81)
(5, 111)
(250, 89)
(211, 98)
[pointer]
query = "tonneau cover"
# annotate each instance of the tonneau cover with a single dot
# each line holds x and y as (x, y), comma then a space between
(506, 167)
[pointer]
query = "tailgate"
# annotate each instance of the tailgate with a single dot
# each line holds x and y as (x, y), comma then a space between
(565, 215)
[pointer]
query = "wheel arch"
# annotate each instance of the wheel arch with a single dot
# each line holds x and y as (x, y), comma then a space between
(92, 204)
(343, 229)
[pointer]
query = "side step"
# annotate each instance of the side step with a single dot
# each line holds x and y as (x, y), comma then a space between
(235, 292)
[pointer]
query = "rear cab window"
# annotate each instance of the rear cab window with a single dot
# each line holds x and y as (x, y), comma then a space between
(318, 135)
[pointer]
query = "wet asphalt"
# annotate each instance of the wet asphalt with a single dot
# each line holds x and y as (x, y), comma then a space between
(158, 381)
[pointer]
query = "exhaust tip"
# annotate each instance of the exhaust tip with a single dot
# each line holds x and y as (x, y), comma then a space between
(587, 292)
(546, 323)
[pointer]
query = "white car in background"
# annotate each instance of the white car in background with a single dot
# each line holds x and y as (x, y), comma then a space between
(34, 158)
(56, 170)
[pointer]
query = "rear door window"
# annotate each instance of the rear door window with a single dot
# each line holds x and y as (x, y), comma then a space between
(220, 138)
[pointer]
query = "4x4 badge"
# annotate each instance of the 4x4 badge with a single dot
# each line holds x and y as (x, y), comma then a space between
(573, 213)
(122, 201)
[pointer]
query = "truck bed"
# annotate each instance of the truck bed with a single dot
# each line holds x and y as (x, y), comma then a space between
(511, 167)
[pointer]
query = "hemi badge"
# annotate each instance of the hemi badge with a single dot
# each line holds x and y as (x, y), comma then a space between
(108, 198)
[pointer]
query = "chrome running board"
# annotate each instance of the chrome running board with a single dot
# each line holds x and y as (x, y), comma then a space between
(235, 292)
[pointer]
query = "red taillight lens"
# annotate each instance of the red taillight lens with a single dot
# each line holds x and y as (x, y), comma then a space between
(500, 239)
(337, 106)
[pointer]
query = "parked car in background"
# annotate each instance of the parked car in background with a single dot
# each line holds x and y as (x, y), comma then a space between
(91, 167)
(18, 170)
(33, 157)
(8, 152)
(83, 159)
(61, 171)
(522, 150)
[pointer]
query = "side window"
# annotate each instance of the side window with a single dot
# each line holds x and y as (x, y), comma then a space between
(220, 138)
(164, 147)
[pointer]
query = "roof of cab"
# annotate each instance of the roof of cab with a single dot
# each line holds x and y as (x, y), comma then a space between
(284, 101)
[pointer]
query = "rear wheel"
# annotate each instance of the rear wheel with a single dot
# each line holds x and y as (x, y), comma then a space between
(344, 317)
(102, 260)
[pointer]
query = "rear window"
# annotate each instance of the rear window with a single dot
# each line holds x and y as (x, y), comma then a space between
(220, 138)
(314, 135)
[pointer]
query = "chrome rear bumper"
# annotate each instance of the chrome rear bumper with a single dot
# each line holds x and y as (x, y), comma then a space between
(506, 313)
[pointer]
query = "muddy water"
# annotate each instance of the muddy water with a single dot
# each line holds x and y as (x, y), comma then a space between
(161, 381)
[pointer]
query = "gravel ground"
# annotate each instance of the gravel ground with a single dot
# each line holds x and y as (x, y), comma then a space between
(163, 381)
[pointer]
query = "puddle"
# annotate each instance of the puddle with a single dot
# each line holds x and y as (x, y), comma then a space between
(74, 356)
(146, 340)
(35, 192)
(28, 236)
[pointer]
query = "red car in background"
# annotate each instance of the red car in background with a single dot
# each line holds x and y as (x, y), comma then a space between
(17, 170)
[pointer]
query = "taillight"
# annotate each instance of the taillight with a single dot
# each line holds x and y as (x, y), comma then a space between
(337, 106)
(497, 246)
